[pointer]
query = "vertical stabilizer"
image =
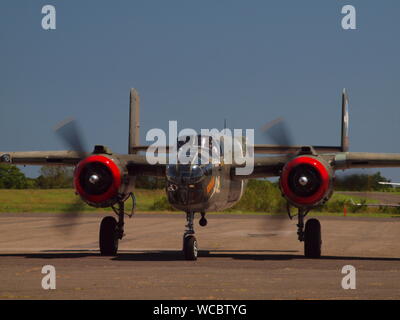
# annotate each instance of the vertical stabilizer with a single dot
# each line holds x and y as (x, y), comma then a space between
(134, 122)
(345, 122)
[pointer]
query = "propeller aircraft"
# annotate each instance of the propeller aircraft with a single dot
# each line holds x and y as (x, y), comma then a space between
(106, 179)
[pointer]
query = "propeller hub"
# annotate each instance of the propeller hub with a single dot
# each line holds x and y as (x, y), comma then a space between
(94, 178)
(303, 180)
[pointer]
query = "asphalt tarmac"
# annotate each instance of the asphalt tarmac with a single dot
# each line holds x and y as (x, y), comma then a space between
(241, 257)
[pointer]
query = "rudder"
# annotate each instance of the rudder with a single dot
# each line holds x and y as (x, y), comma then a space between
(345, 122)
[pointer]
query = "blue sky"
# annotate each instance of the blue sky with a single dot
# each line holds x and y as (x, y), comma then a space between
(199, 62)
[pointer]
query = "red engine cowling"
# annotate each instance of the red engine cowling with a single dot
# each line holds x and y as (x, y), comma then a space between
(306, 181)
(98, 179)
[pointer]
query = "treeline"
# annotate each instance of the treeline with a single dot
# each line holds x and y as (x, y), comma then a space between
(361, 182)
(50, 177)
(54, 177)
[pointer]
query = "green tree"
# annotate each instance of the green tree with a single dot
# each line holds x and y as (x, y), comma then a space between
(148, 182)
(360, 182)
(54, 177)
(261, 196)
(11, 177)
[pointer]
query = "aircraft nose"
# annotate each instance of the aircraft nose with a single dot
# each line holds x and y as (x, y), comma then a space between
(184, 174)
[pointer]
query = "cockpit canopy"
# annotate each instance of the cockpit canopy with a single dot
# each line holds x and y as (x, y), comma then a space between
(188, 173)
(198, 150)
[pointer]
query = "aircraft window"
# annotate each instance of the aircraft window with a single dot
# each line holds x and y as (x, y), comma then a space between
(207, 169)
(172, 171)
(181, 143)
(221, 146)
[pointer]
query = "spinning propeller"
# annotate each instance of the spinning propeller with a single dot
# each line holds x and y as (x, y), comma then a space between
(278, 132)
(306, 179)
(69, 133)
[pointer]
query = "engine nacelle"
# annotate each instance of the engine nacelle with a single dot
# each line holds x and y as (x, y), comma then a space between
(101, 181)
(306, 181)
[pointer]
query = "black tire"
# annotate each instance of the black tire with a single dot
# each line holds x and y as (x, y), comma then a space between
(190, 248)
(312, 239)
(108, 240)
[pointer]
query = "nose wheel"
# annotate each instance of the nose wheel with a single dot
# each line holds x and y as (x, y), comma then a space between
(190, 248)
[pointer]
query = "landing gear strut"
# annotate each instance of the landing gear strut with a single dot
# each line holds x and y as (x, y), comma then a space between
(311, 235)
(111, 231)
(300, 224)
(189, 240)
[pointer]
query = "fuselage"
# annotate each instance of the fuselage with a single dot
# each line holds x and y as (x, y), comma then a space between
(213, 191)
(203, 187)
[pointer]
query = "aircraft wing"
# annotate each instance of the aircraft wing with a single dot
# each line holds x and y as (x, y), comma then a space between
(349, 160)
(259, 149)
(270, 166)
(391, 205)
(279, 149)
(136, 164)
(139, 166)
(378, 205)
(64, 158)
(389, 183)
(264, 167)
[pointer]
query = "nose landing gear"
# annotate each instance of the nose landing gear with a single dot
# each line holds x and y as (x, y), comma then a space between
(190, 248)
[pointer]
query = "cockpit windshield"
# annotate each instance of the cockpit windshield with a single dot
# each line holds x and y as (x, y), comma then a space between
(194, 159)
(198, 150)
(188, 173)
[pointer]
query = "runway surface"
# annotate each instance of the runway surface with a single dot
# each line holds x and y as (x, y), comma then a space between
(241, 257)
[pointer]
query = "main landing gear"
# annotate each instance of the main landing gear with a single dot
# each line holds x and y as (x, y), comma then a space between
(310, 235)
(111, 231)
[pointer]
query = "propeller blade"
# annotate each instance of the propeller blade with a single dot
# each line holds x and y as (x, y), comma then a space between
(68, 131)
(275, 224)
(278, 132)
(69, 219)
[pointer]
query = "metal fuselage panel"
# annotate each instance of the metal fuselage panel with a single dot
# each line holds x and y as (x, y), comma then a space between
(215, 192)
